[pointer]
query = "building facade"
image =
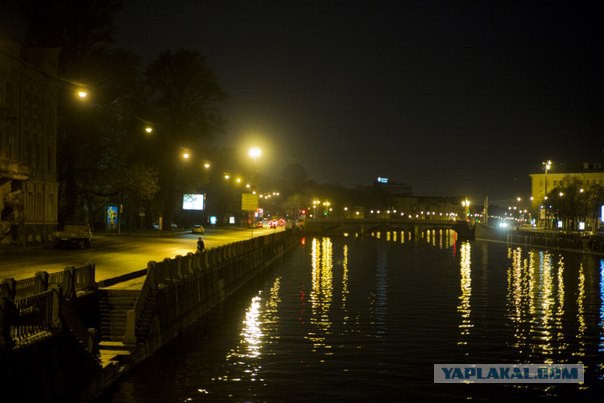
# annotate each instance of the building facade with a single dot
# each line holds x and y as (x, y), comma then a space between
(28, 141)
(542, 184)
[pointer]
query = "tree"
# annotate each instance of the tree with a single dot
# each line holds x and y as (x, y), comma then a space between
(573, 201)
(137, 185)
(186, 98)
(293, 204)
(595, 200)
(84, 31)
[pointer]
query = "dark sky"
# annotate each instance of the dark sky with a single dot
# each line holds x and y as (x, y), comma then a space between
(451, 97)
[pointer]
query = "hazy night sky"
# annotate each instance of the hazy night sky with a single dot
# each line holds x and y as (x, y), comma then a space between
(450, 97)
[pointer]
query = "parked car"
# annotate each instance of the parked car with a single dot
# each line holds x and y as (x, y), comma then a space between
(198, 229)
(74, 234)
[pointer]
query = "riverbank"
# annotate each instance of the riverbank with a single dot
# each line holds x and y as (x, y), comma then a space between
(575, 242)
(91, 341)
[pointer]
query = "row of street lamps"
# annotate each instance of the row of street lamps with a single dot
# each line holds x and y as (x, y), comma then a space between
(254, 152)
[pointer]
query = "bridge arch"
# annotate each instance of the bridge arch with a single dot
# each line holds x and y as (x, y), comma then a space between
(366, 226)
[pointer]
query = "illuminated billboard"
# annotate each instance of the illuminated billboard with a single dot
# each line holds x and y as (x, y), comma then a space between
(193, 201)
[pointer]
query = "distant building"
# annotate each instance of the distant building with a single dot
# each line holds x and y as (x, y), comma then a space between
(397, 200)
(392, 188)
(590, 173)
(28, 132)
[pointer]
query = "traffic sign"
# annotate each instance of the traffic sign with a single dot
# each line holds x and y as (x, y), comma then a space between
(249, 202)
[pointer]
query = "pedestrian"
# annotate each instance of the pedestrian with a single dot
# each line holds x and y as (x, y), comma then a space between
(200, 245)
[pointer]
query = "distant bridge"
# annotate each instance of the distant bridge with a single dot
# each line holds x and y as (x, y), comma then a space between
(368, 225)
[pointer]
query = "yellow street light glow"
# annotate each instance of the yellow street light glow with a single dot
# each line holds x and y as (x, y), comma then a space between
(186, 155)
(148, 129)
(82, 94)
(206, 165)
(254, 152)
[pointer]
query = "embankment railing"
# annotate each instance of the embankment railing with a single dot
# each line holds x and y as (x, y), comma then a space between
(203, 276)
(35, 307)
(34, 317)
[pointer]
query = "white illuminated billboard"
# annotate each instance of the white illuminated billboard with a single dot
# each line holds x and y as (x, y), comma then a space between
(192, 201)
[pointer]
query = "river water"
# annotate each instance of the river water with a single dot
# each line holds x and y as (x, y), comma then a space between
(366, 318)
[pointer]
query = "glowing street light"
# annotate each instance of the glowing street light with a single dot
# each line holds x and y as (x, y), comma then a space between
(254, 152)
(82, 93)
(314, 208)
(466, 204)
(546, 166)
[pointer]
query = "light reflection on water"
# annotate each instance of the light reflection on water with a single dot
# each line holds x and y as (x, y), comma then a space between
(321, 295)
(465, 307)
(535, 304)
(354, 317)
(259, 325)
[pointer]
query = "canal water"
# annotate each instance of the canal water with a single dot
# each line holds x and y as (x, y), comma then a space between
(366, 318)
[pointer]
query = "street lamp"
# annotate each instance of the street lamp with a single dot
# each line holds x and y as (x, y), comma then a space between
(546, 166)
(314, 208)
(466, 204)
(82, 94)
(326, 207)
(254, 152)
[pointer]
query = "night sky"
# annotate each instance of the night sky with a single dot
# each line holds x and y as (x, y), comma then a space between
(450, 97)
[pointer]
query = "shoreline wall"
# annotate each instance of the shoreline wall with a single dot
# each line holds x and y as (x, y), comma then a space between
(179, 291)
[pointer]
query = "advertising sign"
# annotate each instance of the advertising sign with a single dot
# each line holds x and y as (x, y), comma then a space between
(193, 201)
(112, 216)
(249, 202)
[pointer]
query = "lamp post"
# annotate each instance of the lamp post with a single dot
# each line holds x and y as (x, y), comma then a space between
(546, 166)
(314, 208)
(254, 153)
(466, 204)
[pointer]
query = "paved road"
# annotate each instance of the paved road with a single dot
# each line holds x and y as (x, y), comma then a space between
(114, 255)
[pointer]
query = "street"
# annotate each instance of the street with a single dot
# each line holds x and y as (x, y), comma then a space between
(115, 254)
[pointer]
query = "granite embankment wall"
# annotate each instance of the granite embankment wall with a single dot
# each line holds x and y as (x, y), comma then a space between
(68, 337)
(543, 239)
